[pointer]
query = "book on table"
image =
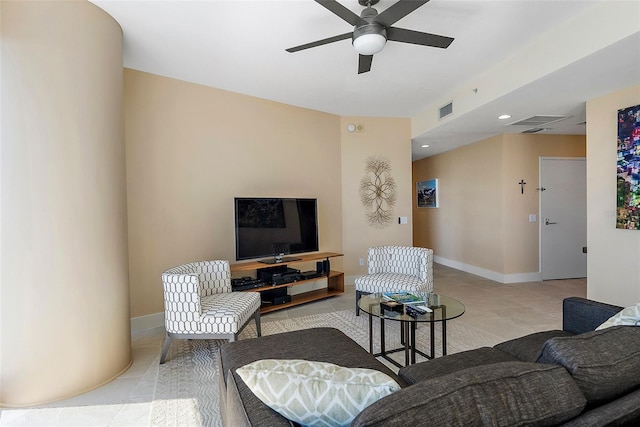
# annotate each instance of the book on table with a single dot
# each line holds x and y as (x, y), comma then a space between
(402, 297)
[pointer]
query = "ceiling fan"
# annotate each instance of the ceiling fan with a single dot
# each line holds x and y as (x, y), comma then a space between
(372, 30)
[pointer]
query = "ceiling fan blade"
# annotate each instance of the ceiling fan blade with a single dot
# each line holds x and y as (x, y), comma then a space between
(320, 42)
(342, 12)
(397, 11)
(416, 37)
(364, 63)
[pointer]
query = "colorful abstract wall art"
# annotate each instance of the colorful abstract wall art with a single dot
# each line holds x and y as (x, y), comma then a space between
(628, 165)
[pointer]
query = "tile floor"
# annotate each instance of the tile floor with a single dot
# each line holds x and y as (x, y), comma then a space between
(507, 310)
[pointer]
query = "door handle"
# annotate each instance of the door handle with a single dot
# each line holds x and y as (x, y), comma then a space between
(547, 222)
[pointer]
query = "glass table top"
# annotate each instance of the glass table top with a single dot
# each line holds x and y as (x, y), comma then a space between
(443, 308)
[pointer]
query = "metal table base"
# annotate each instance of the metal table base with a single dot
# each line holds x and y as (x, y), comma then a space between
(408, 330)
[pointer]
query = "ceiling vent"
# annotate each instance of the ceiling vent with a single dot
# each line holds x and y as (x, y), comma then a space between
(537, 121)
(534, 130)
(445, 110)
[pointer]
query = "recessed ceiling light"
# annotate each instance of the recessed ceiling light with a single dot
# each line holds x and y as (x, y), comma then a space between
(425, 145)
(504, 117)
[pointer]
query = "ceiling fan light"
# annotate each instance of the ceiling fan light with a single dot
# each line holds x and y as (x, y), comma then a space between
(369, 44)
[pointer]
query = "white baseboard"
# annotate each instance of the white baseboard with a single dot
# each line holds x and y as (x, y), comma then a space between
(535, 276)
(488, 274)
(149, 321)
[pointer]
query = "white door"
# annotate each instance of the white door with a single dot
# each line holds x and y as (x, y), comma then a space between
(563, 218)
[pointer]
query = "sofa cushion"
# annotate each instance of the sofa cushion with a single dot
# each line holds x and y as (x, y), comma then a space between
(529, 347)
(501, 394)
(630, 316)
(624, 411)
(315, 393)
(453, 363)
(605, 364)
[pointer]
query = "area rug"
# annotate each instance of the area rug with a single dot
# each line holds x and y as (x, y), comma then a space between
(187, 384)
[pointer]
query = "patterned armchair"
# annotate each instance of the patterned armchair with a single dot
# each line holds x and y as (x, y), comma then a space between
(199, 303)
(396, 268)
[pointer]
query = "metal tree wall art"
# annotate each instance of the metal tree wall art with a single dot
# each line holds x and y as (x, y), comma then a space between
(378, 192)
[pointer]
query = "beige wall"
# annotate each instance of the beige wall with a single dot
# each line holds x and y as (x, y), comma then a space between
(468, 225)
(614, 255)
(64, 291)
(191, 149)
(482, 224)
(386, 139)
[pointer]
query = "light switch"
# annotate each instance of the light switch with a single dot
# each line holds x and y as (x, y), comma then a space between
(403, 220)
(532, 218)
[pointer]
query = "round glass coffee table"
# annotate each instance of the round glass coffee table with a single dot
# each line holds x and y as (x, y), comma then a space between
(442, 308)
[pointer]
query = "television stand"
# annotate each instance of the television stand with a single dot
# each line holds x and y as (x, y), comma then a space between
(334, 279)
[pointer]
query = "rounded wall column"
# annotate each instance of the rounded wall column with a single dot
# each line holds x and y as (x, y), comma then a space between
(64, 293)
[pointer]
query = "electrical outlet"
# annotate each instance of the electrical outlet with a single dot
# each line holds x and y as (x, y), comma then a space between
(361, 261)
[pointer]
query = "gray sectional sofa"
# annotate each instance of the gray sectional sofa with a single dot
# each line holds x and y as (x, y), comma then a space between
(573, 377)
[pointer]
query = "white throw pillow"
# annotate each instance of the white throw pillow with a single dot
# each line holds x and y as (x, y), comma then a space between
(315, 393)
(628, 316)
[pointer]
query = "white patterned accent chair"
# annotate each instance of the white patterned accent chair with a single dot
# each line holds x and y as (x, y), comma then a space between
(199, 304)
(396, 268)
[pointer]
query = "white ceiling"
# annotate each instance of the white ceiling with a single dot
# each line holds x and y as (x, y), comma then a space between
(239, 45)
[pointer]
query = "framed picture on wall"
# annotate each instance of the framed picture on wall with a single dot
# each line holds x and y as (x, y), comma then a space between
(628, 169)
(427, 193)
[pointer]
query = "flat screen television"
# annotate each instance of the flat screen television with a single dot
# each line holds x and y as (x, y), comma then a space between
(273, 227)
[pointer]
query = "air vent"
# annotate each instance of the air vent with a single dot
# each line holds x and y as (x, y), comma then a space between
(534, 130)
(446, 110)
(537, 121)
